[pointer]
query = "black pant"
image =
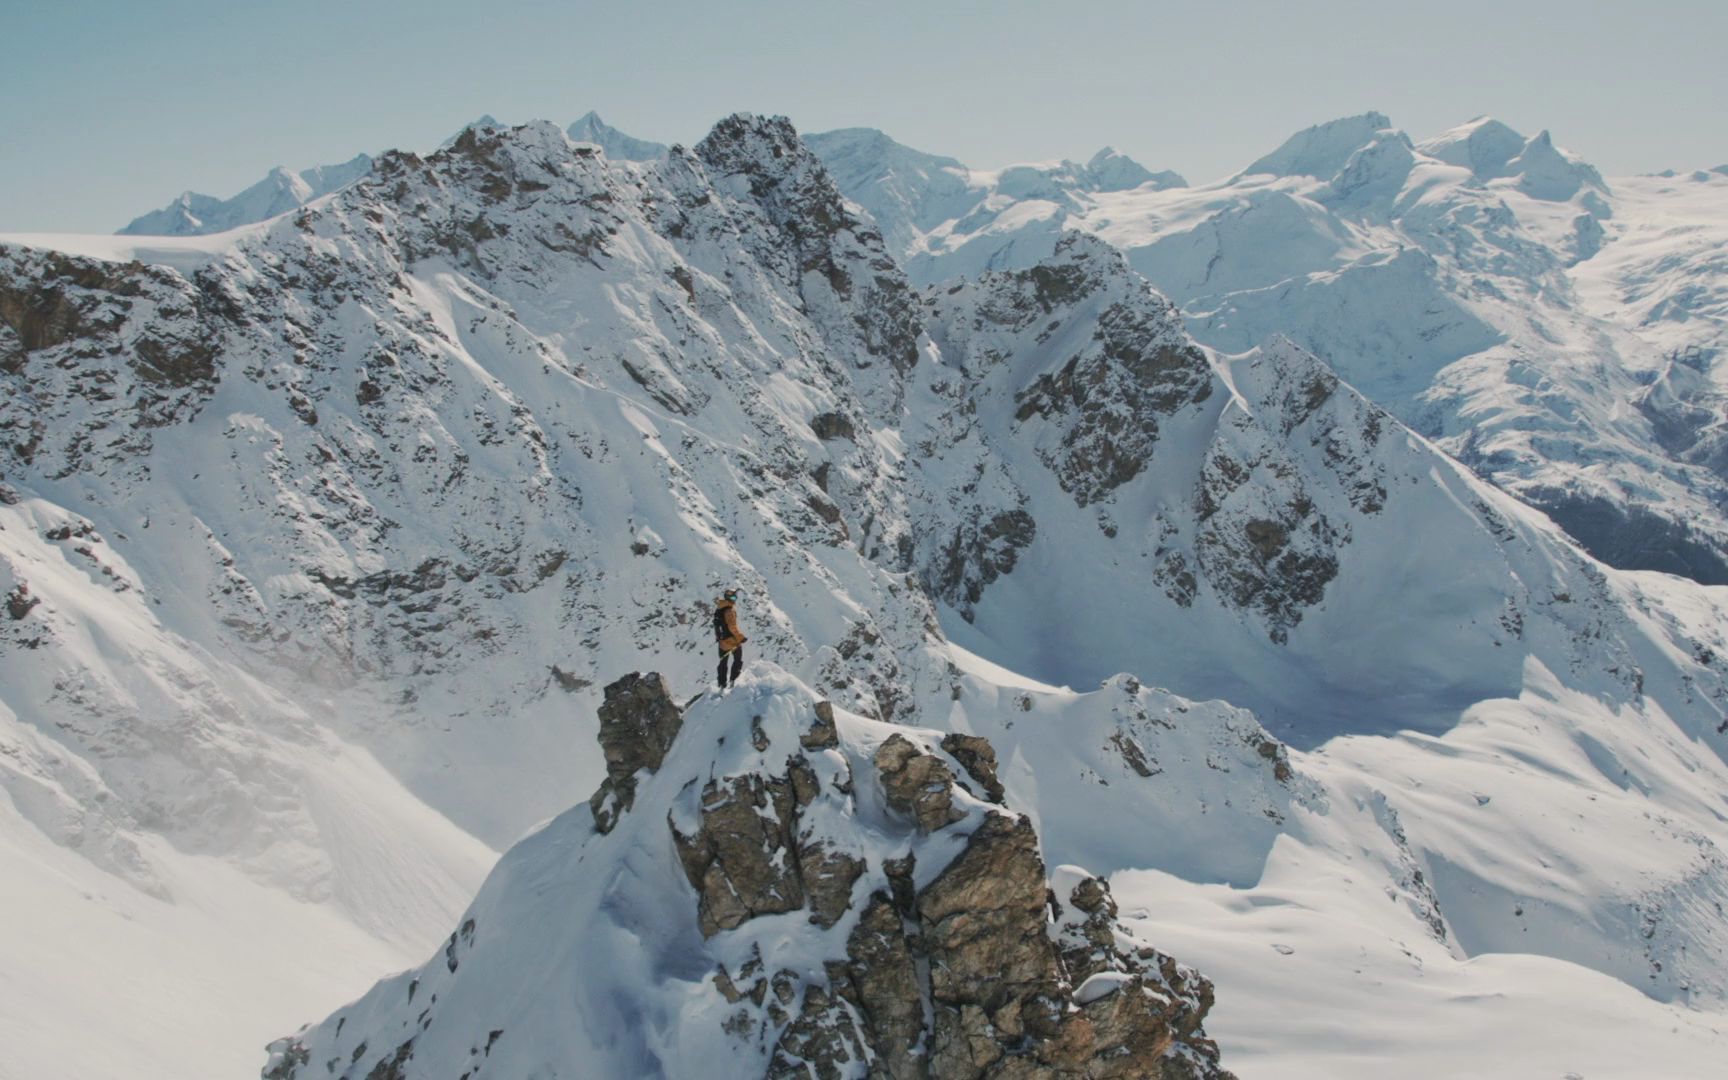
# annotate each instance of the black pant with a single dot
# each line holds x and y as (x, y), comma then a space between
(737, 656)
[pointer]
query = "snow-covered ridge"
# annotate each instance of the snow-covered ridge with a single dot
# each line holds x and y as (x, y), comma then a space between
(283, 190)
(407, 473)
(1491, 290)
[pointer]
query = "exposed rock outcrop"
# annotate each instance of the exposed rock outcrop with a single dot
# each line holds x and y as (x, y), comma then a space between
(978, 758)
(638, 721)
(1109, 400)
(740, 861)
(19, 602)
(917, 784)
(861, 912)
(979, 972)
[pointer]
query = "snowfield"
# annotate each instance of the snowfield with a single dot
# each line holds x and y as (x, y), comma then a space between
(321, 537)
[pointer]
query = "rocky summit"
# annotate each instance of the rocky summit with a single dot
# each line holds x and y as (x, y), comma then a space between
(819, 894)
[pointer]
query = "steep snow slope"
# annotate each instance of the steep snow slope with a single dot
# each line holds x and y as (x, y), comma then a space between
(404, 475)
(1439, 278)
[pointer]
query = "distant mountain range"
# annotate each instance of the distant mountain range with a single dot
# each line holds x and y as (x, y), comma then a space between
(196, 214)
(1137, 575)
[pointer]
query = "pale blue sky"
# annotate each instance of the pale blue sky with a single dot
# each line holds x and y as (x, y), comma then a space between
(109, 108)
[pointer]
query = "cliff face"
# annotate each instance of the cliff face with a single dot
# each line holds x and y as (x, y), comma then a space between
(808, 893)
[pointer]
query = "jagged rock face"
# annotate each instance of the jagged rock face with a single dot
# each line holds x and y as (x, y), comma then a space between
(884, 973)
(1100, 410)
(638, 721)
(741, 861)
(1074, 358)
(757, 848)
(983, 954)
(835, 259)
(848, 934)
(1077, 358)
(979, 552)
(1273, 556)
(992, 965)
(94, 357)
(978, 758)
(917, 784)
(1133, 380)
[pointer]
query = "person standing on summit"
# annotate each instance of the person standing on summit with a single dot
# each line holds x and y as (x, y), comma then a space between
(729, 637)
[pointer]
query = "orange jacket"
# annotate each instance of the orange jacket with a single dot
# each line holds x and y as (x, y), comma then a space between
(726, 630)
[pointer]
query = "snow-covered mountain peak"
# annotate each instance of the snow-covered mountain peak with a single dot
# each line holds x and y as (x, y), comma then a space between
(1322, 150)
(280, 191)
(484, 122)
(281, 175)
(1551, 174)
(515, 142)
(904, 190)
(748, 143)
(1079, 268)
(1373, 176)
(616, 144)
(875, 150)
(1483, 145)
(1109, 170)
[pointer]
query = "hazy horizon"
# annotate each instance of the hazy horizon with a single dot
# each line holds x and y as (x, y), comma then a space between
(128, 105)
